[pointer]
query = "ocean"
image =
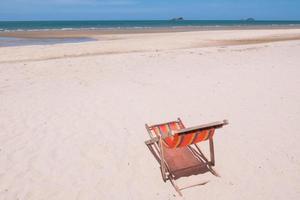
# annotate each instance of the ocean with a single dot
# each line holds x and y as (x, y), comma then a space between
(13, 26)
(70, 25)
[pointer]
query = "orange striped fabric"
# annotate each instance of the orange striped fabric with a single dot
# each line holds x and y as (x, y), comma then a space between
(181, 140)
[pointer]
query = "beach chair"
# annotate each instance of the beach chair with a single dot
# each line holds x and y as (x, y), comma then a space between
(176, 150)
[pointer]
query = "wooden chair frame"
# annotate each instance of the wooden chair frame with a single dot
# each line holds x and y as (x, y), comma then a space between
(155, 147)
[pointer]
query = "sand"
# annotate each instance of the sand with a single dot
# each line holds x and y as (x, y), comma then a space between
(73, 115)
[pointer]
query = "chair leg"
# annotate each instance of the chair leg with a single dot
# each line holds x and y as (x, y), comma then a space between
(153, 152)
(212, 152)
(175, 186)
(204, 159)
(162, 160)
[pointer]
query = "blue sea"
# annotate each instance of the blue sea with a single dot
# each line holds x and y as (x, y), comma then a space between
(10, 26)
(66, 25)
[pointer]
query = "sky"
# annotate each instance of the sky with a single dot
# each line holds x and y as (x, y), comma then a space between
(149, 9)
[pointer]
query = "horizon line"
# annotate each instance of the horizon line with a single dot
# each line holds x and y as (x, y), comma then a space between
(243, 19)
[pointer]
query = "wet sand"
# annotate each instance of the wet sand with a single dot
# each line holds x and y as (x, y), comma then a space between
(89, 33)
(144, 42)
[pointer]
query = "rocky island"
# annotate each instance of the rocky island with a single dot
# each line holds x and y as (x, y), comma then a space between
(177, 19)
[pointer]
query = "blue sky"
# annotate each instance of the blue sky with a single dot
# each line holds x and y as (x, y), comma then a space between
(148, 9)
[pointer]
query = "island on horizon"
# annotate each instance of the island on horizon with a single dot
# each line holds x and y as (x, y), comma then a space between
(177, 19)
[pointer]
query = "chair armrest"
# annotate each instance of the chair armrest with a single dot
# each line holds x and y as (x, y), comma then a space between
(152, 141)
(202, 127)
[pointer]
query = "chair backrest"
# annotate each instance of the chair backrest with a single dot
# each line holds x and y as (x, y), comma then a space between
(180, 139)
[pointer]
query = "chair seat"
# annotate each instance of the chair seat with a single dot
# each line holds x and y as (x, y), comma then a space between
(182, 162)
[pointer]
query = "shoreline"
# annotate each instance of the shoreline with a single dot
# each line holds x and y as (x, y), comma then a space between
(93, 33)
(133, 43)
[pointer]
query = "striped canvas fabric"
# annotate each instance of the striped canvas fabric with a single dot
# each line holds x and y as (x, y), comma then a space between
(180, 140)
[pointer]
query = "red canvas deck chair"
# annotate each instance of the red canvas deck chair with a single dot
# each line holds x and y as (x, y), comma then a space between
(175, 148)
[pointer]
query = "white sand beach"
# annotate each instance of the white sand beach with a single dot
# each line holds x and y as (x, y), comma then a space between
(73, 115)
